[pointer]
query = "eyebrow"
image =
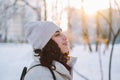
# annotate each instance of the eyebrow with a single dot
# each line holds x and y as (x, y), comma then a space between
(57, 31)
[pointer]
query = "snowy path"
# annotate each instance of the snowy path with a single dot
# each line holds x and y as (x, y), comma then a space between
(14, 56)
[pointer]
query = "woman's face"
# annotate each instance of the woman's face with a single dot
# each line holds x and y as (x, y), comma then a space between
(61, 40)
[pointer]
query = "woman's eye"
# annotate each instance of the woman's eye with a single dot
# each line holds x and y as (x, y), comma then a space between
(57, 34)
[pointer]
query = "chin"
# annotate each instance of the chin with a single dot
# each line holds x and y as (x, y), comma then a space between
(67, 55)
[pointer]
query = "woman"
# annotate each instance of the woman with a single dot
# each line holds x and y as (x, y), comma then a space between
(51, 52)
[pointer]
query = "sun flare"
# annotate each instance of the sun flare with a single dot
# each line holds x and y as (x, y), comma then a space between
(91, 6)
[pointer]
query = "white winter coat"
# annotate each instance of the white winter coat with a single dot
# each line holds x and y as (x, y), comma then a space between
(43, 73)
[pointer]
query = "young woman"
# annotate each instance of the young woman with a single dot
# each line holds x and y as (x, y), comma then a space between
(51, 52)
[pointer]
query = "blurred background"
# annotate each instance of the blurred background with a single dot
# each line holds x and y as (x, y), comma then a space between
(92, 28)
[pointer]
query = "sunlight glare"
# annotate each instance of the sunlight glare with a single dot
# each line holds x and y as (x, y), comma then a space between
(91, 6)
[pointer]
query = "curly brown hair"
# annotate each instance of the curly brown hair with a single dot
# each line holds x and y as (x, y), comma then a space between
(50, 53)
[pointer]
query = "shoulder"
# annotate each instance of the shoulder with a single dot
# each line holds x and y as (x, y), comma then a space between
(38, 73)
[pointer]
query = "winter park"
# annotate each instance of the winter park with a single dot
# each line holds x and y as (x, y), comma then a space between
(91, 31)
(15, 56)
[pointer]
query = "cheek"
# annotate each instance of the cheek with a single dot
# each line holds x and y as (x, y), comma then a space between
(59, 42)
(62, 47)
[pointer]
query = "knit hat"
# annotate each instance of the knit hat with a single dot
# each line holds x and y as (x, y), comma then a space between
(38, 33)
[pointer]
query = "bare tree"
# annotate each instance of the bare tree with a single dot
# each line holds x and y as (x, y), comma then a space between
(113, 42)
(70, 36)
(36, 9)
(7, 12)
(98, 39)
(85, 29)
(45, 10)
(112, 36)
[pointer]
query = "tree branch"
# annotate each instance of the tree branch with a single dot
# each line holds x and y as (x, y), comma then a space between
(28, 4)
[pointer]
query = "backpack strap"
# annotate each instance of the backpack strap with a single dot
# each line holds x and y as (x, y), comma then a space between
(24, 72)
(52, 73)
(33, 67)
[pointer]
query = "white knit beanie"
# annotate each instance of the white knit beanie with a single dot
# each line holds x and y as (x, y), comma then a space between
(38, 33)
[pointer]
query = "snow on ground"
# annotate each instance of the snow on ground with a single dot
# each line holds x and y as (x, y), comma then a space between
(88, 64)
(13, 57)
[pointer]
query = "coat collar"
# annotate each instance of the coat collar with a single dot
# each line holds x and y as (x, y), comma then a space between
(61, 69)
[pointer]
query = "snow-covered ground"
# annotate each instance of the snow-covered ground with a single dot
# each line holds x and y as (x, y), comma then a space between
(88, 64)
(13, 57)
